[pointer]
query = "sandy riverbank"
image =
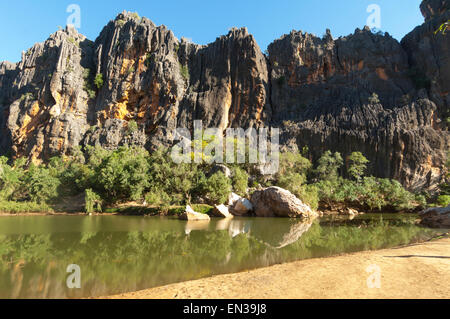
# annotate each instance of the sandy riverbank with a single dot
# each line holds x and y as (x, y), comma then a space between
(416, 271)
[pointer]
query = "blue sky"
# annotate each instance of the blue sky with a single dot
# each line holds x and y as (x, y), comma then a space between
(24, 22)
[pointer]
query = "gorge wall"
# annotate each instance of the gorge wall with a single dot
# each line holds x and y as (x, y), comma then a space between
(365, 92)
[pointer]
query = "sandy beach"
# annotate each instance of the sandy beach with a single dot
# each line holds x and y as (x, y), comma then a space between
(410, 272)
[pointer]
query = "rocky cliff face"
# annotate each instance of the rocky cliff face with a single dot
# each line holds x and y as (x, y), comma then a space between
(44, 101)
(429, 54)
(162, 83)
(356, 93)
(364, 92)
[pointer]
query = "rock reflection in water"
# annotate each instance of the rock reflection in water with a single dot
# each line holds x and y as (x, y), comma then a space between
(196, 225)
(279, 235)
(234, 227)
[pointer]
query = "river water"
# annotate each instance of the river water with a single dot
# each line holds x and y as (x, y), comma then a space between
(116, 254)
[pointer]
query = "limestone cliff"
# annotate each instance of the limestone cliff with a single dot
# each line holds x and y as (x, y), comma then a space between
(356, 94)
(363, 92)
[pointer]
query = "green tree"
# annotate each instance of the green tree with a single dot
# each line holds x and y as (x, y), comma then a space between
(358, 165)
(179, 181)
(218, 188)
(292, 172)
(293, 162)
(124, 174)
(328, 165)
(11, 179)
(240, 181)
(41, 185)
(291, 181)
(98, 81)
(443, 200)
(158, 198)
(96, 155)
(93, 201)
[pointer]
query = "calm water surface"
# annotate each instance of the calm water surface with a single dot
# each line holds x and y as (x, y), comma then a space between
(120, 254)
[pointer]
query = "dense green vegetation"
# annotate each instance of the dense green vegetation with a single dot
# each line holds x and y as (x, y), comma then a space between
(111, 177)
(108, 178)
(326, 186)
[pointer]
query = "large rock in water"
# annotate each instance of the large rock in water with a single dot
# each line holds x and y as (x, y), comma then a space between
(191, 215)
(222, 211)
(278, 202)
(436, 217)
(238, 205)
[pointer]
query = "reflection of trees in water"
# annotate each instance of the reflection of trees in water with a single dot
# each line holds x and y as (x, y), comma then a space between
(114, 262)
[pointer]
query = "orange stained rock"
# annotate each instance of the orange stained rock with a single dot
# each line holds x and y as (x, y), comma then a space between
(118, 110)
(382, 74)
(34, 109)
(30, 122)
(141, 63)
(126, 65)
(360, 65)
(261, 101)
(60, 143)
(154, 106)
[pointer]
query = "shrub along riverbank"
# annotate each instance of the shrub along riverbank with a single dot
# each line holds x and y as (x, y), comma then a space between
(104, 179)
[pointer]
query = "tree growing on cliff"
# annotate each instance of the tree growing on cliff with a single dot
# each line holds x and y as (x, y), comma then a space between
(443, 28)
(87, 84)
(98, 81)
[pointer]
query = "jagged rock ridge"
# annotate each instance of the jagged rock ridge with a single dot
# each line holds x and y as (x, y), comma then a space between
(319, 91)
